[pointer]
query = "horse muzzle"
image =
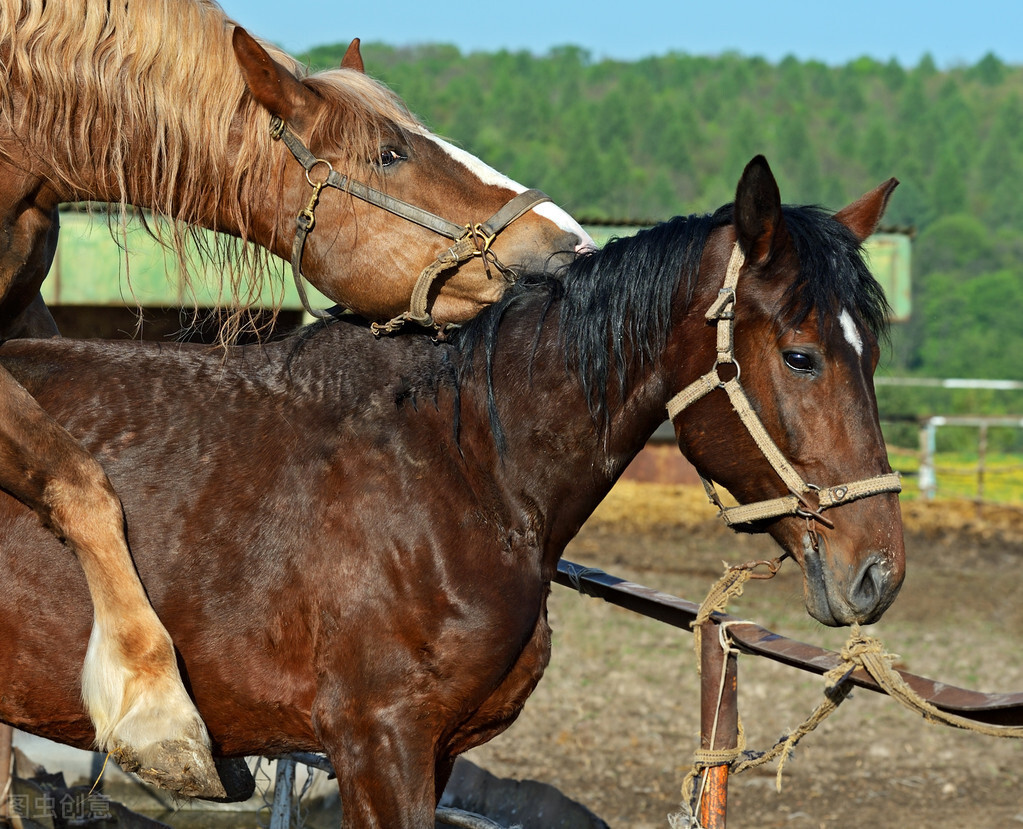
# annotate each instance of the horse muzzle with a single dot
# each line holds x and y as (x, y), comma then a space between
(836, 594)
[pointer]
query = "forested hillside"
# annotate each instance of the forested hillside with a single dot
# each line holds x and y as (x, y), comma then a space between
(671, 134)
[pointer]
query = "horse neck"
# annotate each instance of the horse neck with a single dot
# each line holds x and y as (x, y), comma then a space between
(559, 463)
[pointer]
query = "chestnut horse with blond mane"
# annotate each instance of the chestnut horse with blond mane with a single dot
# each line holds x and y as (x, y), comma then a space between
(169, 106)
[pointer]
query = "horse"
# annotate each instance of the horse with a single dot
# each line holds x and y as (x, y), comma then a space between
(173, 108)
(352, 539)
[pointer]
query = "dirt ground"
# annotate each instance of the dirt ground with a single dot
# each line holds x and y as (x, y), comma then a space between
(616, 718)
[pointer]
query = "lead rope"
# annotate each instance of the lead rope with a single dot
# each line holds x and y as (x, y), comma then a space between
(859, 651)
(463, 249)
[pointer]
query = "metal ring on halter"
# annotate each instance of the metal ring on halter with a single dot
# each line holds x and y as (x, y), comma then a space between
(479, 234)
(810, 513)
(313, 166)
(732, 362)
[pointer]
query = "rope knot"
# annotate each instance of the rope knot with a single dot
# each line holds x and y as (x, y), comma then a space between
(859, 651)
(706, 758)
(859, 647)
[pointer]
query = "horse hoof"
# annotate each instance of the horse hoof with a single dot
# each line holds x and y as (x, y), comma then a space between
(239, 784)
(186, 768)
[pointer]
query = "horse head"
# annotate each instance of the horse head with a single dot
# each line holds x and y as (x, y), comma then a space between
(796, 440)
(408, 198)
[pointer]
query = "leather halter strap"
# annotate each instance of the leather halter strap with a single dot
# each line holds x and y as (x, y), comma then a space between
(470, 240)
(722, 313)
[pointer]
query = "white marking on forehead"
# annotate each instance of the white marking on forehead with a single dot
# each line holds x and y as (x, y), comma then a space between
(488, 175)
(484, 172)
(852, 333)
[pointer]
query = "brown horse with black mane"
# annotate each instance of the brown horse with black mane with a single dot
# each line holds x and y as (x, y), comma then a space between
(171, 107)
(357, 561)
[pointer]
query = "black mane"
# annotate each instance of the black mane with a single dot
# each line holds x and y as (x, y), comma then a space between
(832, 274)
(623, 295)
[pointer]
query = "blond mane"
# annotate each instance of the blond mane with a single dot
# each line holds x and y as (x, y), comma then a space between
(142, 95)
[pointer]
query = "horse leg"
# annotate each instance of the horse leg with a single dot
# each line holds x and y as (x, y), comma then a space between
(442, 774)
(131, 687)
(383, 794)
(384, 767)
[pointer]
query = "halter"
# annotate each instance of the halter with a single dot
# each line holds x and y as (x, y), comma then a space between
(722, 313)
(470, 240)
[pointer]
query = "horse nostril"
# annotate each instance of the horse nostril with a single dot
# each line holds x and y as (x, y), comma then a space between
(872, 591)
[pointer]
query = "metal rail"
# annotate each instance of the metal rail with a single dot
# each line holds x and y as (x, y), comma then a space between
(994, 709)
(719, 718)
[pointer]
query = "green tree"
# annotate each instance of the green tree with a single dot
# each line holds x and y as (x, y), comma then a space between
(972, 330)
(990, 71)
(670, 134)
(948, 186)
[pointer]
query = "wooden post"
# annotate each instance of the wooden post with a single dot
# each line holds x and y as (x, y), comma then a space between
(719, 722)
(6, 751)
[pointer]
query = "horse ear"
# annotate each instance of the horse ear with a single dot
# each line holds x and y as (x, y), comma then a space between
(273, 86)
(759, 226)
(353, 58)
(863, 215)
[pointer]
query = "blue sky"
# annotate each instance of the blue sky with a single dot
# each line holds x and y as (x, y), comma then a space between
(952, 32)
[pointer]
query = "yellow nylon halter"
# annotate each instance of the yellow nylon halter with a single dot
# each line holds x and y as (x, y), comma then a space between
(722, 313)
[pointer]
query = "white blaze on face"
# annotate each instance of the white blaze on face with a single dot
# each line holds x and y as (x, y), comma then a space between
(489, 176)
(852, 334)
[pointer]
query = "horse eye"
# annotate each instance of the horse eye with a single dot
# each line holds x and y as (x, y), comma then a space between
(799, 361)
(389, 156)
